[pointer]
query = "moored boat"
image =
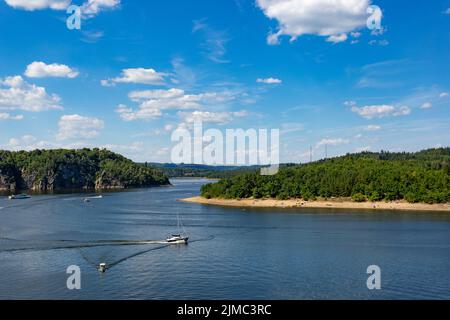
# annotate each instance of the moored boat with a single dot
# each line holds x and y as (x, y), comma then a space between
(19, 196)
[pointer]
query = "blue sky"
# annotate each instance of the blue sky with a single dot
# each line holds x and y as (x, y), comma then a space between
(136, 70)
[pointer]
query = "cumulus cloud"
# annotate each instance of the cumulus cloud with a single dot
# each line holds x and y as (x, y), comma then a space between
(32, 5)
(28, 143)
(443, 95)
(381, 111)
(137, 75)
(153, 102)
(40, 69)
(78, 127)
(7, 116)
(133, 147)
(318, 17)
(269, 80)
(156, 94)
(426, 105)
(337, 38)
(17, 94)
(211, 117)
(363, 149)
(128, 114)
(332, 142)
(91, 8)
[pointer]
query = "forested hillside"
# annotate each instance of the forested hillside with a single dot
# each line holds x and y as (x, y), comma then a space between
(44, 170)
(416, 177)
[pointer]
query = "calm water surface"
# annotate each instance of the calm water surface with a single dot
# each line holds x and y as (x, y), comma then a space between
(234, 254)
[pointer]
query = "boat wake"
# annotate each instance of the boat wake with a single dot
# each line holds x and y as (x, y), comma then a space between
(70, 244)
(31, 245)
(82, 246)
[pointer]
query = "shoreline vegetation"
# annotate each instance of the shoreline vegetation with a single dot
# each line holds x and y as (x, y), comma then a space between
(410, 181)
(319, 204)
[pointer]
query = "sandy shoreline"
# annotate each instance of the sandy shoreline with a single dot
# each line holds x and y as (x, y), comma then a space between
(330, 204)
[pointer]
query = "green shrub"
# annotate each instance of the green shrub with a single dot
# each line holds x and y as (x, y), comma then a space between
(359, 197)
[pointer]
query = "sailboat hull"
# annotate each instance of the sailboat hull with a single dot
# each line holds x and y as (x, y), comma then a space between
(183, 240)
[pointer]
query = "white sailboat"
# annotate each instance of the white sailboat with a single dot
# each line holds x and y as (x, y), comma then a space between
(179, 238)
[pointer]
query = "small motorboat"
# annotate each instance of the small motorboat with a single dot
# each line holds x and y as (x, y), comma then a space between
(19, 196)
(95, 197)
(102, 267)
(177, 239)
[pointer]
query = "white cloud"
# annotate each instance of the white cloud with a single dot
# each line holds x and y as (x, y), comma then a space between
(355, 34)
(443, 95)
(381, 111)
(269, 80)
(337, 38)
(447, 11)
(32, 5)
(91, 8)
(39, 69)
(214, 45)
(382, 42)
(128, 114)
(156, 94)
(152, 102)
(350, 103)
(318, 17)
(75, 126)
(17, 94)
(372, 127)
(211, 117)
(7, 116)
(426, 105)
(332, 142)
(133, 147)
(363, 149)
(90, 36)
(168, 127)
(28, 143)
(137, 75)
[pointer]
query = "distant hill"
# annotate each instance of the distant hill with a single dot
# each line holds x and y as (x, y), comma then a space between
(198, 170)
(416, 177)
(51, 170)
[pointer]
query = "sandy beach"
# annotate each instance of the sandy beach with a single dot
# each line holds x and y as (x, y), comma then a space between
(334, 204)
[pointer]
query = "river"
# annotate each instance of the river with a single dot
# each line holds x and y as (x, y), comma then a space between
(234, 253)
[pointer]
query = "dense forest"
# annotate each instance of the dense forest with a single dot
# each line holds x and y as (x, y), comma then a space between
(416, 177)
(50, 170)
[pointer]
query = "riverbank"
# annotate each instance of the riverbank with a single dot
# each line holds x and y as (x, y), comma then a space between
(331, 204)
